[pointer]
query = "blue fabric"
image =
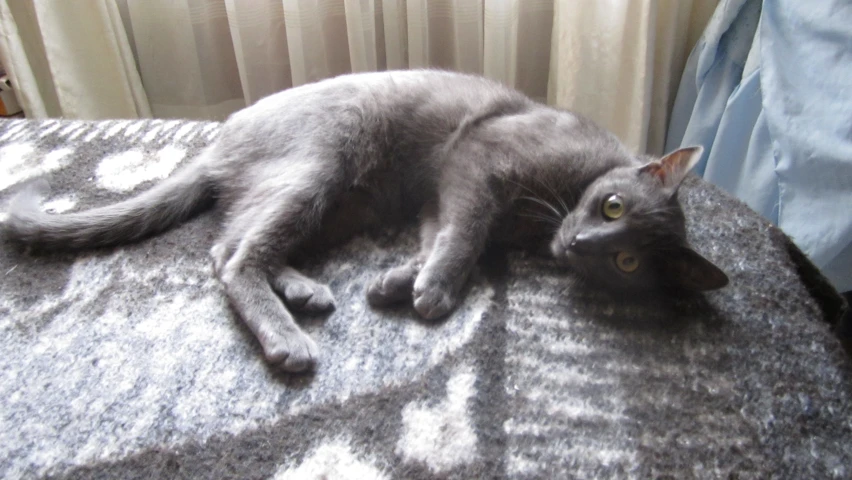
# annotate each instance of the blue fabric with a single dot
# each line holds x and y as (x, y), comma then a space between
(768, 92)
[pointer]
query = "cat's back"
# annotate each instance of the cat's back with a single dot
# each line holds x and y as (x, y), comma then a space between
(408, 111)
(395, 96)
(391, 87)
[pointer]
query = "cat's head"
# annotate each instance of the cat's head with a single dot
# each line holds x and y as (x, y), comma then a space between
(627, 230)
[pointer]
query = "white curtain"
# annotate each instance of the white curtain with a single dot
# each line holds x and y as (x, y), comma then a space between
(617, 61)
(70, 59)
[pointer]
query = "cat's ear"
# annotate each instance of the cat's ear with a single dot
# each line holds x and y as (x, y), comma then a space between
(672, 168)
(685, 268)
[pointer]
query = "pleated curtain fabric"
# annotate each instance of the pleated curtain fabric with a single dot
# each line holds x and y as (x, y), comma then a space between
(617, 61)
(70, 59)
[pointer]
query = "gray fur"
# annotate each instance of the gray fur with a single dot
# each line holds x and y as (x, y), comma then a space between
(473, 160)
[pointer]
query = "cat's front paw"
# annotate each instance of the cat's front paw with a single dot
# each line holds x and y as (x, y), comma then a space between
(294, 351)
(433, 300)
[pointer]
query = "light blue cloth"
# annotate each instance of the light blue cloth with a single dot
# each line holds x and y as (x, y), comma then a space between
(768, 92)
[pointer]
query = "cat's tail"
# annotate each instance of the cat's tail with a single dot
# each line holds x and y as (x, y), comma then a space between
(187, 192)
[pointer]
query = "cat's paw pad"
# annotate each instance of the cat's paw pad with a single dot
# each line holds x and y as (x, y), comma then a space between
(391, 287)
(433, 301)
(307, 296)
(292, 352)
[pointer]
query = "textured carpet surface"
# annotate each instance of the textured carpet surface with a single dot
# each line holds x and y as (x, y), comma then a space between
(128, 363)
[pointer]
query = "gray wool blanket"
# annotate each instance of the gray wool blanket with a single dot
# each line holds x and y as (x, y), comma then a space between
(128, 363)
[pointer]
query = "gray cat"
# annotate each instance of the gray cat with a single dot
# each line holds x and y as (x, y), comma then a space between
(472, 160)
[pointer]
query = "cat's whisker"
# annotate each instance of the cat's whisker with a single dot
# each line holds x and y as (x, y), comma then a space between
(555, 222)
(528, 189)
(519, 184)
(543, 203)
(542, 218)
(564, 205)
(549, 187)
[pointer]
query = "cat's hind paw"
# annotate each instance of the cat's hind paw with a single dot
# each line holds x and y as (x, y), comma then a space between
(294, 351)
(307, 297)
(393, 286)
(303, 294)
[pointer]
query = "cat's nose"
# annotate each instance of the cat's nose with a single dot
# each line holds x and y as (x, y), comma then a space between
(579, 244)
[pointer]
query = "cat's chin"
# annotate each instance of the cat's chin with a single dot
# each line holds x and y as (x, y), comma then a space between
(570, 260)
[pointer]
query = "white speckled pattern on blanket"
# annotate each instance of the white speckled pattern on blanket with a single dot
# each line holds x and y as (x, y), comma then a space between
(128, 363)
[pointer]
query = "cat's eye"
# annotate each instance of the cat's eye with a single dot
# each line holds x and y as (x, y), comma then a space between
(626, 262)
(613, 207)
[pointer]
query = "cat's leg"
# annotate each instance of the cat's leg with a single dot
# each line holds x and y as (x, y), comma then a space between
(248, 288)
(269, 226)
(467, 213)
(302, 293)
(396, 284)
(350, 216)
